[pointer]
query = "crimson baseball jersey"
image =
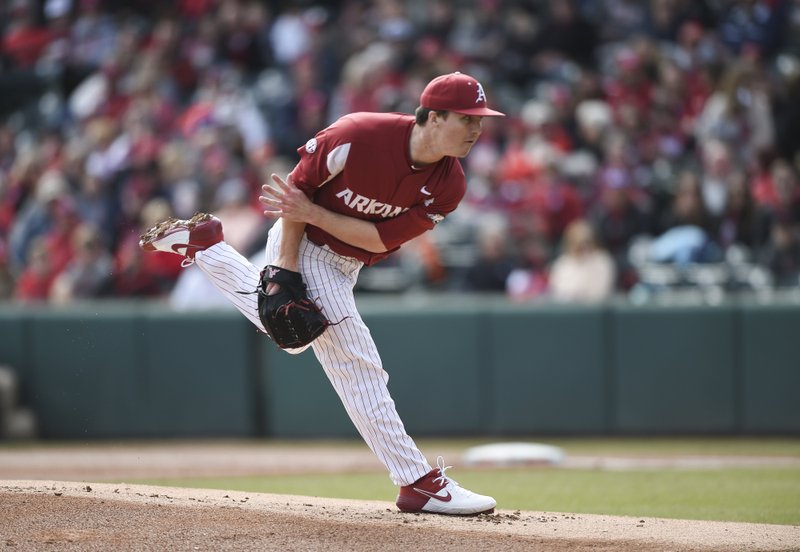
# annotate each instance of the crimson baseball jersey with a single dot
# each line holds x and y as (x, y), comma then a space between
(360, 166)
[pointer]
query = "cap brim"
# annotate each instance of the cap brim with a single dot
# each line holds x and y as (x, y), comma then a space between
(480, 112)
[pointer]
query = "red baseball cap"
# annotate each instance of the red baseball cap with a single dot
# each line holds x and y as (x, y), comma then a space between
(459, 93)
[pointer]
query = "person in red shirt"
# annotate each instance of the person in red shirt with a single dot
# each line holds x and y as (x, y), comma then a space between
(36, 281)
(364, 186)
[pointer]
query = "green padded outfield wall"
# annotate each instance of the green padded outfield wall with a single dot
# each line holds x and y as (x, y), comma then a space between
(197, 374)
(298, 400)
(548, 368)
(770, 358)
(14, 330)
(123, 371)
(85, 373)
(674, 369)
(456, 368)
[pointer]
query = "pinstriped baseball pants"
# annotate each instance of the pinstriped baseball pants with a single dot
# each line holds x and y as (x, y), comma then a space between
(347, 352)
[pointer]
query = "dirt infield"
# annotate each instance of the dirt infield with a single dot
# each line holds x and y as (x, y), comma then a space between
(47, 515)
(38, 513)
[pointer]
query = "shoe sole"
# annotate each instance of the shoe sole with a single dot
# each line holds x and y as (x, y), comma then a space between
(162, 228)
(412, 504)
(472, 514)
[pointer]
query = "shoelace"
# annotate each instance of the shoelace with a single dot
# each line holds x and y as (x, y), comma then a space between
(442, 478)
(187, 261)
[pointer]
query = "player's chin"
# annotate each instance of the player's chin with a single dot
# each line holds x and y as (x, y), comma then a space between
(465, 149)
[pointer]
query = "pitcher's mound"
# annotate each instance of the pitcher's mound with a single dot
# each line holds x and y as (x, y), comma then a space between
(73, 516)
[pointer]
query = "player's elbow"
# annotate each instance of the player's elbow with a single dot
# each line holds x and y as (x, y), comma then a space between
(373, 242)
(376, 246)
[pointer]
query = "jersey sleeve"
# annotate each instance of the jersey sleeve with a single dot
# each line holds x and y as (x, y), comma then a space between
(422, 217)
(323, 156)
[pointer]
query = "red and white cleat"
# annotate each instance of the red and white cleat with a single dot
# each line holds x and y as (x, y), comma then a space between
(183, 237)
(438, 494)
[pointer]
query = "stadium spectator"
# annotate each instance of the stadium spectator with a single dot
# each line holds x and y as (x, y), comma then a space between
(583, 272)
(617, 219)
(245, 227)
(36, 279)
(88, 273)
(566, 33)
(737, 223)
(25, 39)
(778, 198)
(6, 278)
(781, 254)
(529, 280)
(37, 211)
(685, 233)
(687, 207)
(493, 264)
(738, 114)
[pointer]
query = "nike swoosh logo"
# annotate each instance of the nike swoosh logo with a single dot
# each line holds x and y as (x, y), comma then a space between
(176, 246)
(424, 191)
(446, 498)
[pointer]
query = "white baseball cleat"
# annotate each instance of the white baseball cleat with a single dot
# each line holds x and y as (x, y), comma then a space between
(438, 494)
(183, 237)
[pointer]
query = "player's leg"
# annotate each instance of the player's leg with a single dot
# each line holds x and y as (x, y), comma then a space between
(231, 273)
(351, 361)
(200, 240)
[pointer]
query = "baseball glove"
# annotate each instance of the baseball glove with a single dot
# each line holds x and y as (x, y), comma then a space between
(291, 319)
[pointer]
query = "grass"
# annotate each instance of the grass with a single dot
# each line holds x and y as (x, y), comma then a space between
(759, 495)
(751, 495)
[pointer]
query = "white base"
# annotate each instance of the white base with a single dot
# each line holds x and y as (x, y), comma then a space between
(513, 454)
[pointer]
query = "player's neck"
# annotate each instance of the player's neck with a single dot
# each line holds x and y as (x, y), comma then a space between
(422, 149)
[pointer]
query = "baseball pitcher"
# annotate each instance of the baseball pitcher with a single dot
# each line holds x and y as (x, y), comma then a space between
(363, 186)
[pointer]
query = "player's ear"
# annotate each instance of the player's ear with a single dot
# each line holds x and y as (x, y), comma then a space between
(435, 117)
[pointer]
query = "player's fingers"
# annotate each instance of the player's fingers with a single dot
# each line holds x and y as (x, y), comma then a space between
(272, 288)
(272, 190)
(280, 182)
(272, 207)
(268, 200)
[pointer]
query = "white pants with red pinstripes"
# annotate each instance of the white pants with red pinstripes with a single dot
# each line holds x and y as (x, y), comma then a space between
(346, 351)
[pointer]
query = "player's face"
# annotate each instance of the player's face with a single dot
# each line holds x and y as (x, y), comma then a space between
(459, 133)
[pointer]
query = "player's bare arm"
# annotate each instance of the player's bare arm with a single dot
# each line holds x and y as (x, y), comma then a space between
(285, 200)
(290, 245)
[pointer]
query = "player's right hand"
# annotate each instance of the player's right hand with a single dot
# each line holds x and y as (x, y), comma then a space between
(287, 201)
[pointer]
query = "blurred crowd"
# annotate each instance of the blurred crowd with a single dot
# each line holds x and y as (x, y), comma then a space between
(650, 145)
